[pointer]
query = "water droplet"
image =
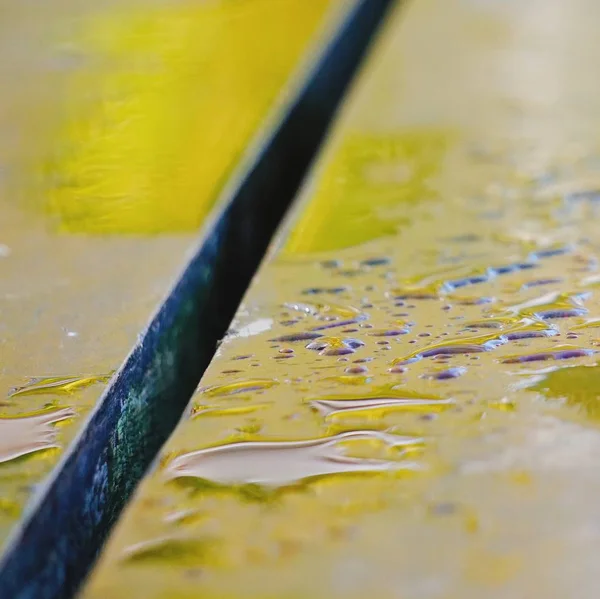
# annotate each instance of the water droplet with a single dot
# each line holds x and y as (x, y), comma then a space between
(375, 262)
(549, 253)
(24, 435)
(443, 509)
(254, 328)
(58, 385)
(331, 264)
(227, 410)
(179, 550)
(551, 305)
(530, 334)
(356, 369)
(239, 387)
(348, 379)
(335, 346)
(541, 282)
(303, 336)
(466, 281)
(388, 332)
(449, 373)
(377, 403)
(565, 352)
(340, 323)
(468, 345)
(284, 463)
(563, 313)
(494, 323)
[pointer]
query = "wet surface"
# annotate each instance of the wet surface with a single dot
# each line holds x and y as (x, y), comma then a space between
(420, 418)
(112, 151)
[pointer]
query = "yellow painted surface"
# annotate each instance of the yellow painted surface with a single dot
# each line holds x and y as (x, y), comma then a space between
(119, 121)
(178, 93)
(407, 407)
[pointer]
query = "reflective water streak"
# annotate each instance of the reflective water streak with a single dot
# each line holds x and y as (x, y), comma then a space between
(20, 436)
(276, 464)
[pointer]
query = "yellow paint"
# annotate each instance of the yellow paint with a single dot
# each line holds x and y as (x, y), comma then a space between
(179, 93)
(434, 430)
(368, 182)
(118, 119)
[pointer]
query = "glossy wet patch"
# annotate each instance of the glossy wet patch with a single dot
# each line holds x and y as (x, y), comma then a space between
(282, 463)
(28, 434)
